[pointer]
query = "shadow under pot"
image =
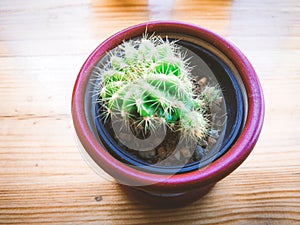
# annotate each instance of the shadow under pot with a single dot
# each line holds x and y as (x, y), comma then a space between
(234, 123)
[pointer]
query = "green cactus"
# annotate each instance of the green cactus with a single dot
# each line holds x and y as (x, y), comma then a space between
(148, 82)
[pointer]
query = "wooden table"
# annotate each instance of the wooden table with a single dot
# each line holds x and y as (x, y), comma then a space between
(44, 179)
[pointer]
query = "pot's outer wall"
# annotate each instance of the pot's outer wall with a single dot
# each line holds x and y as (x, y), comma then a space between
(178, 183)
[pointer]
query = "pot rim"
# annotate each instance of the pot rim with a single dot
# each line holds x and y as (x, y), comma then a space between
(213, 172)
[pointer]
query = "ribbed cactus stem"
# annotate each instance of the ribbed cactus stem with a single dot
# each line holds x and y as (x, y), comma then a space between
(148, 81)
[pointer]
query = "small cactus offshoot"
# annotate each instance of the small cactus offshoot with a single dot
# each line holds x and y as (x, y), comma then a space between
(148, 83)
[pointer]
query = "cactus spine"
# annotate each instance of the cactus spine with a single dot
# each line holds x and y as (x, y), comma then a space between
(148, 82)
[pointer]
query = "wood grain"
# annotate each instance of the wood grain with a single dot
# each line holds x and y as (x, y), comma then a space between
(44, 179)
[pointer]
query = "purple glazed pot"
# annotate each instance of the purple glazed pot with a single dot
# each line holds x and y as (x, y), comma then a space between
(179, 187)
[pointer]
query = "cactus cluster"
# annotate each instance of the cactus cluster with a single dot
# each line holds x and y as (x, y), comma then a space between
(148, 83)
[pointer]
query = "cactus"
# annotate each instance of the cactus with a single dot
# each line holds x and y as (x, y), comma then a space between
(147, 82)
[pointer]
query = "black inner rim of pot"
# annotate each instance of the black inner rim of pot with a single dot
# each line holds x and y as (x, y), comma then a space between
(235, 114)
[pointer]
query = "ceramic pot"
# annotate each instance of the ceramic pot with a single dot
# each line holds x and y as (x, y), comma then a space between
(244, 106)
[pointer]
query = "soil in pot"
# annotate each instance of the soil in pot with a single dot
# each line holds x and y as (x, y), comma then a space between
(170, 154)
(166, 151)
